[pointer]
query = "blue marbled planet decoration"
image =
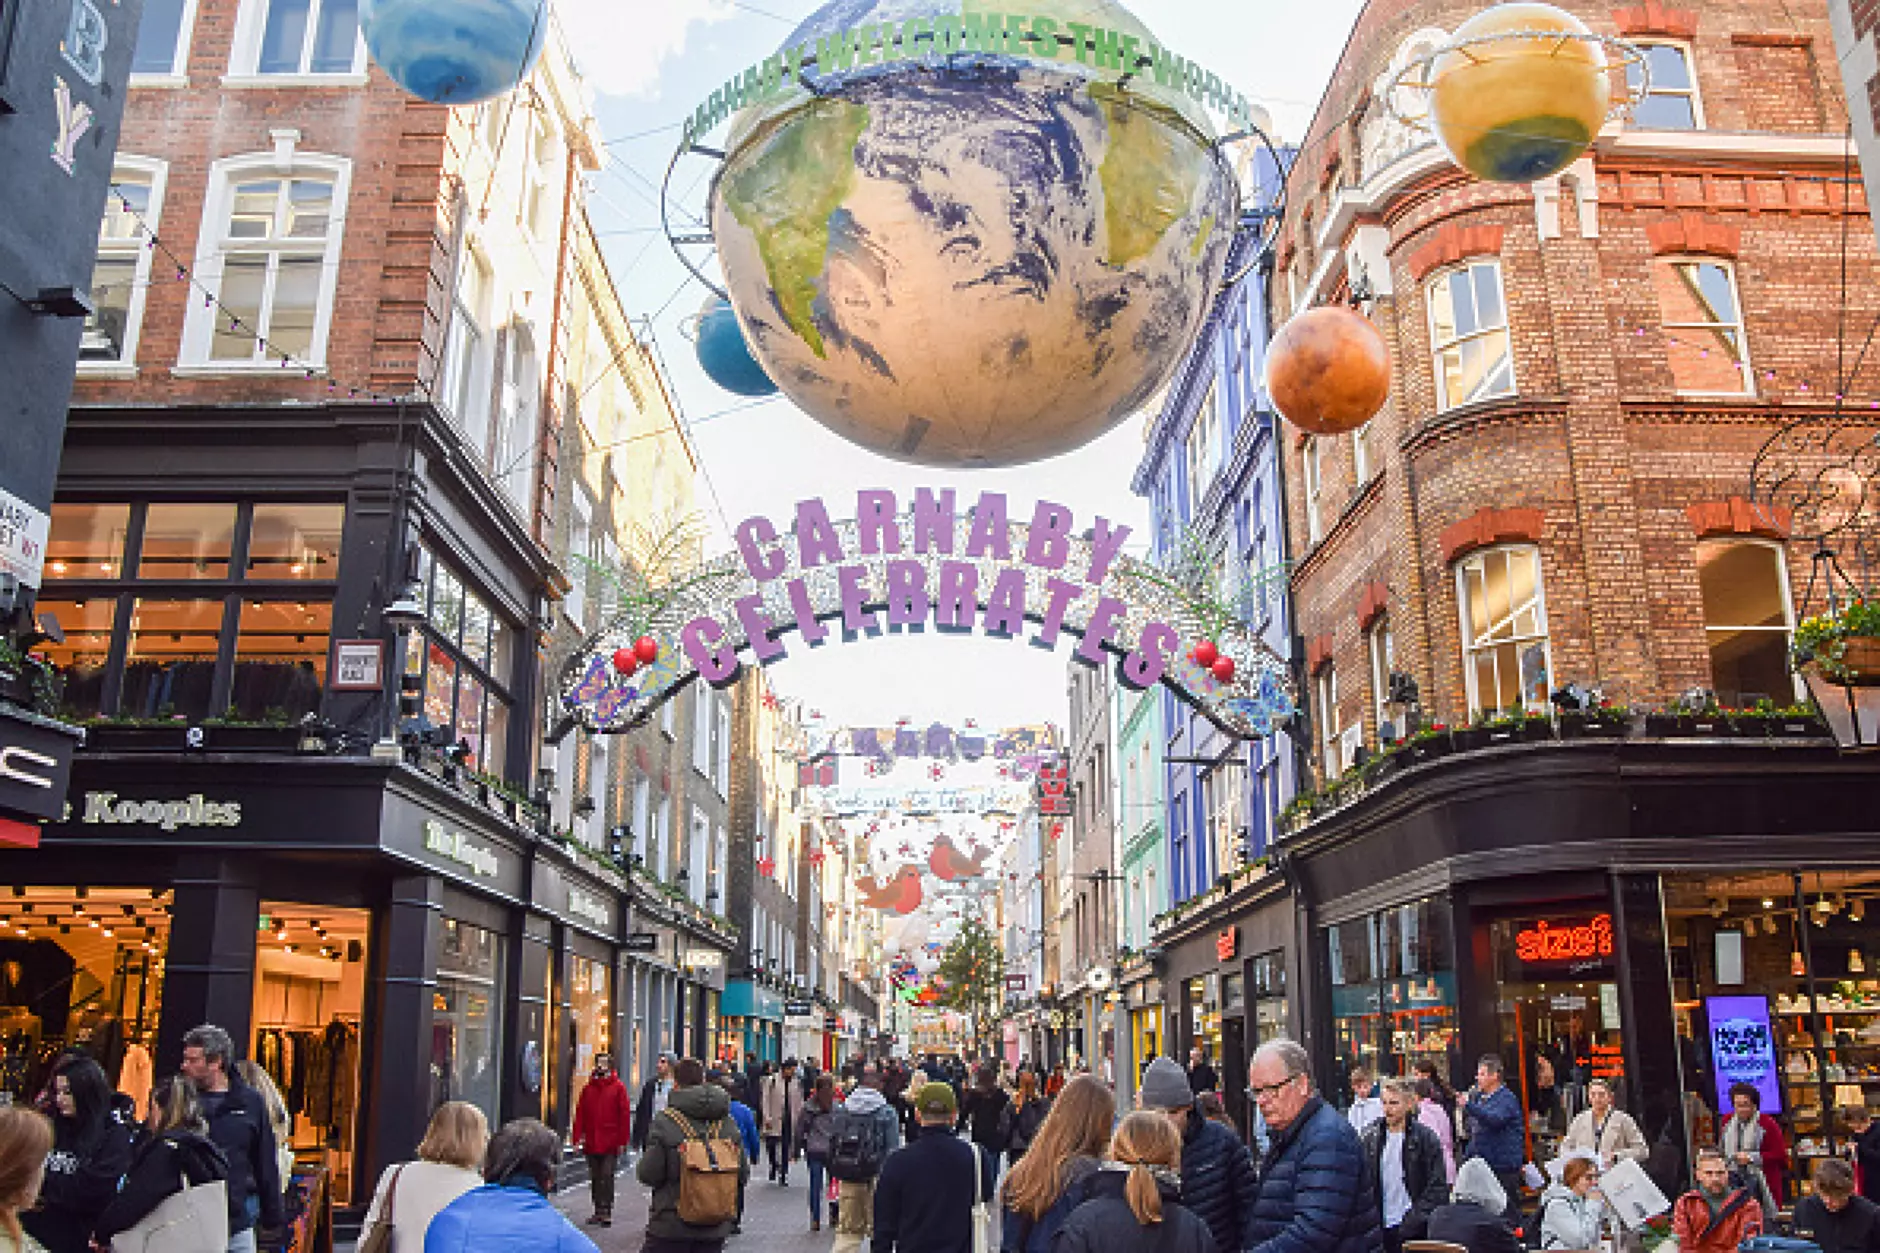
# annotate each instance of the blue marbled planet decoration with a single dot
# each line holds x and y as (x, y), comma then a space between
(725, 355)
(455, 51)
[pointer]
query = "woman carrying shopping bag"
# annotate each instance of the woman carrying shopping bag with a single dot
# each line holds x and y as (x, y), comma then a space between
(174, 1198)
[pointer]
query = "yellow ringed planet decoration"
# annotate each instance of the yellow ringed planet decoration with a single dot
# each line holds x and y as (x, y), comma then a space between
(1521, 90)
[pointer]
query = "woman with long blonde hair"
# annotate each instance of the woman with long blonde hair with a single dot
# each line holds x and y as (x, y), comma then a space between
(25, 1139)
(1134, 1204)
(176, 1152)
(1049, 1181)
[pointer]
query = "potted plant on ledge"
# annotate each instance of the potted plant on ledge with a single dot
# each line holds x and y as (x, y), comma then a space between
(1838, 653)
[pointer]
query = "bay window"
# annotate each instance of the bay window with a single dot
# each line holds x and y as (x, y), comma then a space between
(464, 653)
(1505, 658)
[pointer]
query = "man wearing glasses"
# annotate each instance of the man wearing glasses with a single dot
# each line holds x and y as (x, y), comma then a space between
(1315, 1193)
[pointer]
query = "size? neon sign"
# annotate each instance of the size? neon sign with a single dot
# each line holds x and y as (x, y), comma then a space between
(1553, 942)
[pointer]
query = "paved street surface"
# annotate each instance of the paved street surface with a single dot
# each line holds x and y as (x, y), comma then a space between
(776, 1220)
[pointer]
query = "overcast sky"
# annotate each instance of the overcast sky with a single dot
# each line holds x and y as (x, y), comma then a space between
(651, 62)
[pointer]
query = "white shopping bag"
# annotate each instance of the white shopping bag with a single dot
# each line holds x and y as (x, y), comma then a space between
(1632, 1194)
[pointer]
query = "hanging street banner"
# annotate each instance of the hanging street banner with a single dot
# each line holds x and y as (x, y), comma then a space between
(935, 563)
(844, 802)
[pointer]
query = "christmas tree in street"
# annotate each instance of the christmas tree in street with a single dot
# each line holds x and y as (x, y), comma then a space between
(972, 977)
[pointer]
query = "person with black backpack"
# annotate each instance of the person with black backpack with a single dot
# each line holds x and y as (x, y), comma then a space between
(693, 1153)
(862, 1132)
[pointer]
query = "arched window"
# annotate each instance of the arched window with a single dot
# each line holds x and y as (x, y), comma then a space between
(1747, 620)
(272, 226)
(1505, 659)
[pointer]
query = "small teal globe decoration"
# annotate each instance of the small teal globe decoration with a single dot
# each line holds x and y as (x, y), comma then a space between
(725, 355)
(455, 51)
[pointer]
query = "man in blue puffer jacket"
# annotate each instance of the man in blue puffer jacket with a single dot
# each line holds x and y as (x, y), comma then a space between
(1315, 1195)
(1217, 1171)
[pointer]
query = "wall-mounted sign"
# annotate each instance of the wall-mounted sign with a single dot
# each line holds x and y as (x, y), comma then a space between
(797, 1009)
(1227, 943)
(1016, 983)
(105, 809)
(589, 908)
(1743, 1049)
(35, 764)
(640, 942)
(479, 859)
(358, 666)
(23, 531)
(1053, 786)
(1546, 941)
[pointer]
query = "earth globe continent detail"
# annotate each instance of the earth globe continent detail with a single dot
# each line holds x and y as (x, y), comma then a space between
(454, 51)
(979, 260)
(1511, 100)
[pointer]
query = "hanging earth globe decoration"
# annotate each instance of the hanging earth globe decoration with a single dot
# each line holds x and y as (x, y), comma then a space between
(454, 51)
(724, 354)
(966, 239)
(1520, 91)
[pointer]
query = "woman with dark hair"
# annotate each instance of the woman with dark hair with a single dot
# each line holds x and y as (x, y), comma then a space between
(1025, 1116)
(176, 1148)
(812, 1141)
(1753, 1147)
(511, 1212)
(91, 1150)
(982, 1110)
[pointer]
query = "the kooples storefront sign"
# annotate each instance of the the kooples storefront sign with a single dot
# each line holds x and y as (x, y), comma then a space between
(478, 859)
(194, 810)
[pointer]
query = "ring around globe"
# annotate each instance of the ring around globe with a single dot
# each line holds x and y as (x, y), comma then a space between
(1510, 100)
(454, 51)
(974, 259)
(725, 356)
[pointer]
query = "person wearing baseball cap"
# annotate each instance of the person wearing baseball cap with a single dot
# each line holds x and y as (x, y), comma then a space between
(654, 1094)
(925, 1197)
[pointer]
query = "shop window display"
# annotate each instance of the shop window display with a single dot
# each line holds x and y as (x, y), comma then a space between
(467, 1026)
(80, 968)
(1774, 987)
(1393, 990)
(1557, 980)
(310, 978)
(1269, 998)
(591, 1009)
(1203, 996)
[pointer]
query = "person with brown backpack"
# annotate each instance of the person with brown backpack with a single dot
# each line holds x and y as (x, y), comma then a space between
(695, 1165)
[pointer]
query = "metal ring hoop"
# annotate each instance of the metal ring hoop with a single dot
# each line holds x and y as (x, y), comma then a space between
(1622, 56)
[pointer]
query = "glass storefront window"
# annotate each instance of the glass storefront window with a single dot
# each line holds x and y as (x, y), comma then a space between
(440, 688)
(1393, 991)
(1269, 997)
(81, 659)
(295, 541)
(591, 1009)
(169, 670)
(81, 967)
(86, 541)
(467, 1027)
(280, 659)
(310, 986)
(1557, 999)
(187, 542)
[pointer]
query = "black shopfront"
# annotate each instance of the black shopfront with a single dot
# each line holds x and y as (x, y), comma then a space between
(1627, 911)
(376, 939)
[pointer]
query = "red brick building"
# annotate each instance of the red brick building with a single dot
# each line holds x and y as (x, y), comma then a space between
(1558, 493)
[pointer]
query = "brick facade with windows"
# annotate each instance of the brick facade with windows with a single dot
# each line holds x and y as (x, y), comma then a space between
(1618, 428)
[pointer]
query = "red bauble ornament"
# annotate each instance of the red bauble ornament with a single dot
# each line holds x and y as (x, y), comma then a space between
(1205, 653)
(625, 662)
(1223, 668)
(646, 648)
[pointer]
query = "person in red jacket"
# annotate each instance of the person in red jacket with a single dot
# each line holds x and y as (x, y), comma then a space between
(603, 1122)
(1713, 1217)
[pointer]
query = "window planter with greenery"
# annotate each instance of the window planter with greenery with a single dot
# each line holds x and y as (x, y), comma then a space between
(1516, 726)
(1430, 743)
(1604, 721)
(1691, 720)
(1788, 722)
(162, 734)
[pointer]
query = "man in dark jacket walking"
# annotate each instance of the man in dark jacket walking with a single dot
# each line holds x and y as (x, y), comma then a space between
(239, 1125)
(1492, 1114)
(653, 1096)
(705, 1107)
(1217, 1171)
(924, 1198)
(1405, 1160)
(1314, 1193)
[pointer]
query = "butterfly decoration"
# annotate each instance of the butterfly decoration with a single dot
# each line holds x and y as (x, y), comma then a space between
(594, 681)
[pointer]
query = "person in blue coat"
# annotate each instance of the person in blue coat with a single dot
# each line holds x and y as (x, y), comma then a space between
(510, 1213)
(1217, 1181)
(1315, 1195)
(1492, 1114)
(746, 1118)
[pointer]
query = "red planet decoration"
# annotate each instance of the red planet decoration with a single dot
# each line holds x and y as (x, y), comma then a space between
(1328, 370)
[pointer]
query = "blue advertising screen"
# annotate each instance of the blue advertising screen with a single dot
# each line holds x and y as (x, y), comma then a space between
(1743, 1049)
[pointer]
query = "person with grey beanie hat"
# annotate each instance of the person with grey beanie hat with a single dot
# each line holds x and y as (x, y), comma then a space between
(1217, 1181)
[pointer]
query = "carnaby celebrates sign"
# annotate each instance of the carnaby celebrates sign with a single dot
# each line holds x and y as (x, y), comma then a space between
(939, 561)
